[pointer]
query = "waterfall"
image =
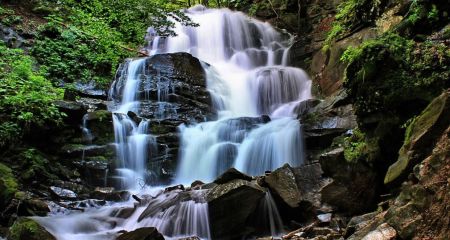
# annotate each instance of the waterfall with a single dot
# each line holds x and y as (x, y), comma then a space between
(249, 76)
(253, 91)
(133, 139)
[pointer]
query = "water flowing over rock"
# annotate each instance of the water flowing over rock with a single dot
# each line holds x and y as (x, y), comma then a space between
(216, 96)
(248, 76)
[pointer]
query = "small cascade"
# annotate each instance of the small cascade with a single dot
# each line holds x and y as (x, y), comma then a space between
(175, 214)
(133, 140)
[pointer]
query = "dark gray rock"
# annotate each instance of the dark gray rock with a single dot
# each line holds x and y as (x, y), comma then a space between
(231, 174)
(283, 183)
(230, 205)
(145, 233)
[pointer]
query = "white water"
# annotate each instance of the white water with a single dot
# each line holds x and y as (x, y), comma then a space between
(249, 76)
(182, 218)
(132, 139)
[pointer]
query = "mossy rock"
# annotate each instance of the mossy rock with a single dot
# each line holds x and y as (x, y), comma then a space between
(420, 134)
(28, 229)
(8, 185)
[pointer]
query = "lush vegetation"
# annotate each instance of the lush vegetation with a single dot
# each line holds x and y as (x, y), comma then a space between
(26, 96)
(353, 15)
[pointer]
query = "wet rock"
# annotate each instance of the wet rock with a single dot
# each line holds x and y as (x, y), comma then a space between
(353, 185)
(231, 174)
(63, 193)
(325, 218)
(383, 232)
(100, 124)
(230, 205)
(79, 150)
(305, 107)
(28, 229)
(86, 90)
(109, 194)
(282, 182)
(123, 213)
(360, 226)
(33, 207)
(330, 118)
(197, 183)
(189, 238)
(71, 108)
(146, 233)
(420, 135)
(173, 188)
(309, 182)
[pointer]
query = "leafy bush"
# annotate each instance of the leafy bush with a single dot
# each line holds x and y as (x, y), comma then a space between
(26, 96)
(385, 73)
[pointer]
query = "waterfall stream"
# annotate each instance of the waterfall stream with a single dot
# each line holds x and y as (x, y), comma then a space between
(253, 92)
(249, 77)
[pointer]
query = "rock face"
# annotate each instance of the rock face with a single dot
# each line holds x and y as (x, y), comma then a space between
(419, 137)
(230, 205)
(146, 233)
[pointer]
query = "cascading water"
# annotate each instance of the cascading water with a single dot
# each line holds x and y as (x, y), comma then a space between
(254, 92)
(248, 77)
(132, 139)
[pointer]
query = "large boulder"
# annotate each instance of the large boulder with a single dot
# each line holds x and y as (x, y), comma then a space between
(283, 183)
(28, 229)
(230, 175)
(354, 184)
(230, 205)
(329, 119)
(145, 233)
(420, 135)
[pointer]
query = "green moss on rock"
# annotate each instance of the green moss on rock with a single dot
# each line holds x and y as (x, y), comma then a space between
(28, 229)
(419, 134)
(8, 185)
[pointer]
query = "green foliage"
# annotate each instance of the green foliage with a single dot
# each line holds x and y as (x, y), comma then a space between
(387, 72)
(87, 39)
(355, 146)
(352, 14)
(26, 96)
(25, 228)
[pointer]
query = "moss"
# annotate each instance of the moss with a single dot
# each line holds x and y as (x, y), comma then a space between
(28, 229)
(353, 14)
(385, 73)
(35, 166)
(355, 147)
(8, 184)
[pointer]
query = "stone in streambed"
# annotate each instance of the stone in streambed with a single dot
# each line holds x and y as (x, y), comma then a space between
(282, 181)
(145, 233)
(230, 205)
(63, 193)
(232, 174)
